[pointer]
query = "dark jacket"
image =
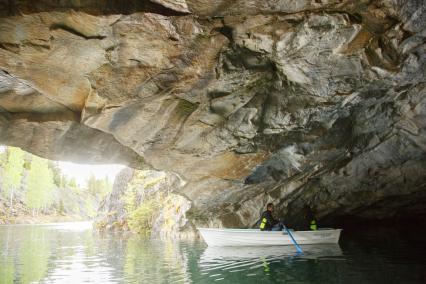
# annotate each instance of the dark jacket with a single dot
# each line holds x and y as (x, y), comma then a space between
(270, 221)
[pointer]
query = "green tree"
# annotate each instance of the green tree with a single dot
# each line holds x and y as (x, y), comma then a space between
(61, 209)
(99, 187)
(57, 175)
(72, 183)
(12, 175)
(40, 185)
(92, 184)
(3, 156)
(64, 180)
(106, 186)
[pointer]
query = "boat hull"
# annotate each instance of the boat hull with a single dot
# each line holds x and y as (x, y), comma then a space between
(212, 254)
(250, 237)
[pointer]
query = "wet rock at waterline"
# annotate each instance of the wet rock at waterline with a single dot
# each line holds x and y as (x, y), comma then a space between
(303, 103)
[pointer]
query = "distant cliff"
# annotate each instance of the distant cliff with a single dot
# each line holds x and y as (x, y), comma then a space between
(143, 202)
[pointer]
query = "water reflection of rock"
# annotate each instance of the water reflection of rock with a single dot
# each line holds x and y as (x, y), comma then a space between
(146, 260)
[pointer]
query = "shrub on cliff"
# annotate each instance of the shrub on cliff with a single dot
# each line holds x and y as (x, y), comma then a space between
(141, 219)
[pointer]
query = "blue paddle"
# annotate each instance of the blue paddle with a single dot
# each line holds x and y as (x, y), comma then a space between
(298, 248)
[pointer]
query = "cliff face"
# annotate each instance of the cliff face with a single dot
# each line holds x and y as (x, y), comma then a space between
(144, 202)
(317, 104)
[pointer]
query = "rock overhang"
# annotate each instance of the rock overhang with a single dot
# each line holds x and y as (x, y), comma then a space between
(309, 92)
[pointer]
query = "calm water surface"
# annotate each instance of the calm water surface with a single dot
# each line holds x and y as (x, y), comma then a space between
(74, 253)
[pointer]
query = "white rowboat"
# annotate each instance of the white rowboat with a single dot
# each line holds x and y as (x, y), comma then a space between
(255, 237)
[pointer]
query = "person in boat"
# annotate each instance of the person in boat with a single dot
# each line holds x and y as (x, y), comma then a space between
(309, 220)
(267, 220)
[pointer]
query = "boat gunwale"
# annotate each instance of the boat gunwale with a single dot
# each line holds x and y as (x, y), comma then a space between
(259, 231)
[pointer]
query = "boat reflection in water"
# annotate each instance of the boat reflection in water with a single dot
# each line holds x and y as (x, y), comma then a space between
(231, 258)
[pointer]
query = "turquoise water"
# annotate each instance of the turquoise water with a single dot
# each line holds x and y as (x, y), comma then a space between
(74, 253)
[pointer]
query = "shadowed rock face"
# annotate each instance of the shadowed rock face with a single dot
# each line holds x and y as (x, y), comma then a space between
(317, 104)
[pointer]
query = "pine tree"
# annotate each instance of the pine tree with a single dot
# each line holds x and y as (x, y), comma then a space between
(99, 187)
(72, 183)
(3, 156)
(40, 185)
(107, 186)
(13, 170)
(57, 175)
(92, 184)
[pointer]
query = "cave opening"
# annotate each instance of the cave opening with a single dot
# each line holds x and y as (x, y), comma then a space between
(38, 190)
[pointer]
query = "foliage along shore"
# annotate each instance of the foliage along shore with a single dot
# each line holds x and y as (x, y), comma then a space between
(41, 219)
